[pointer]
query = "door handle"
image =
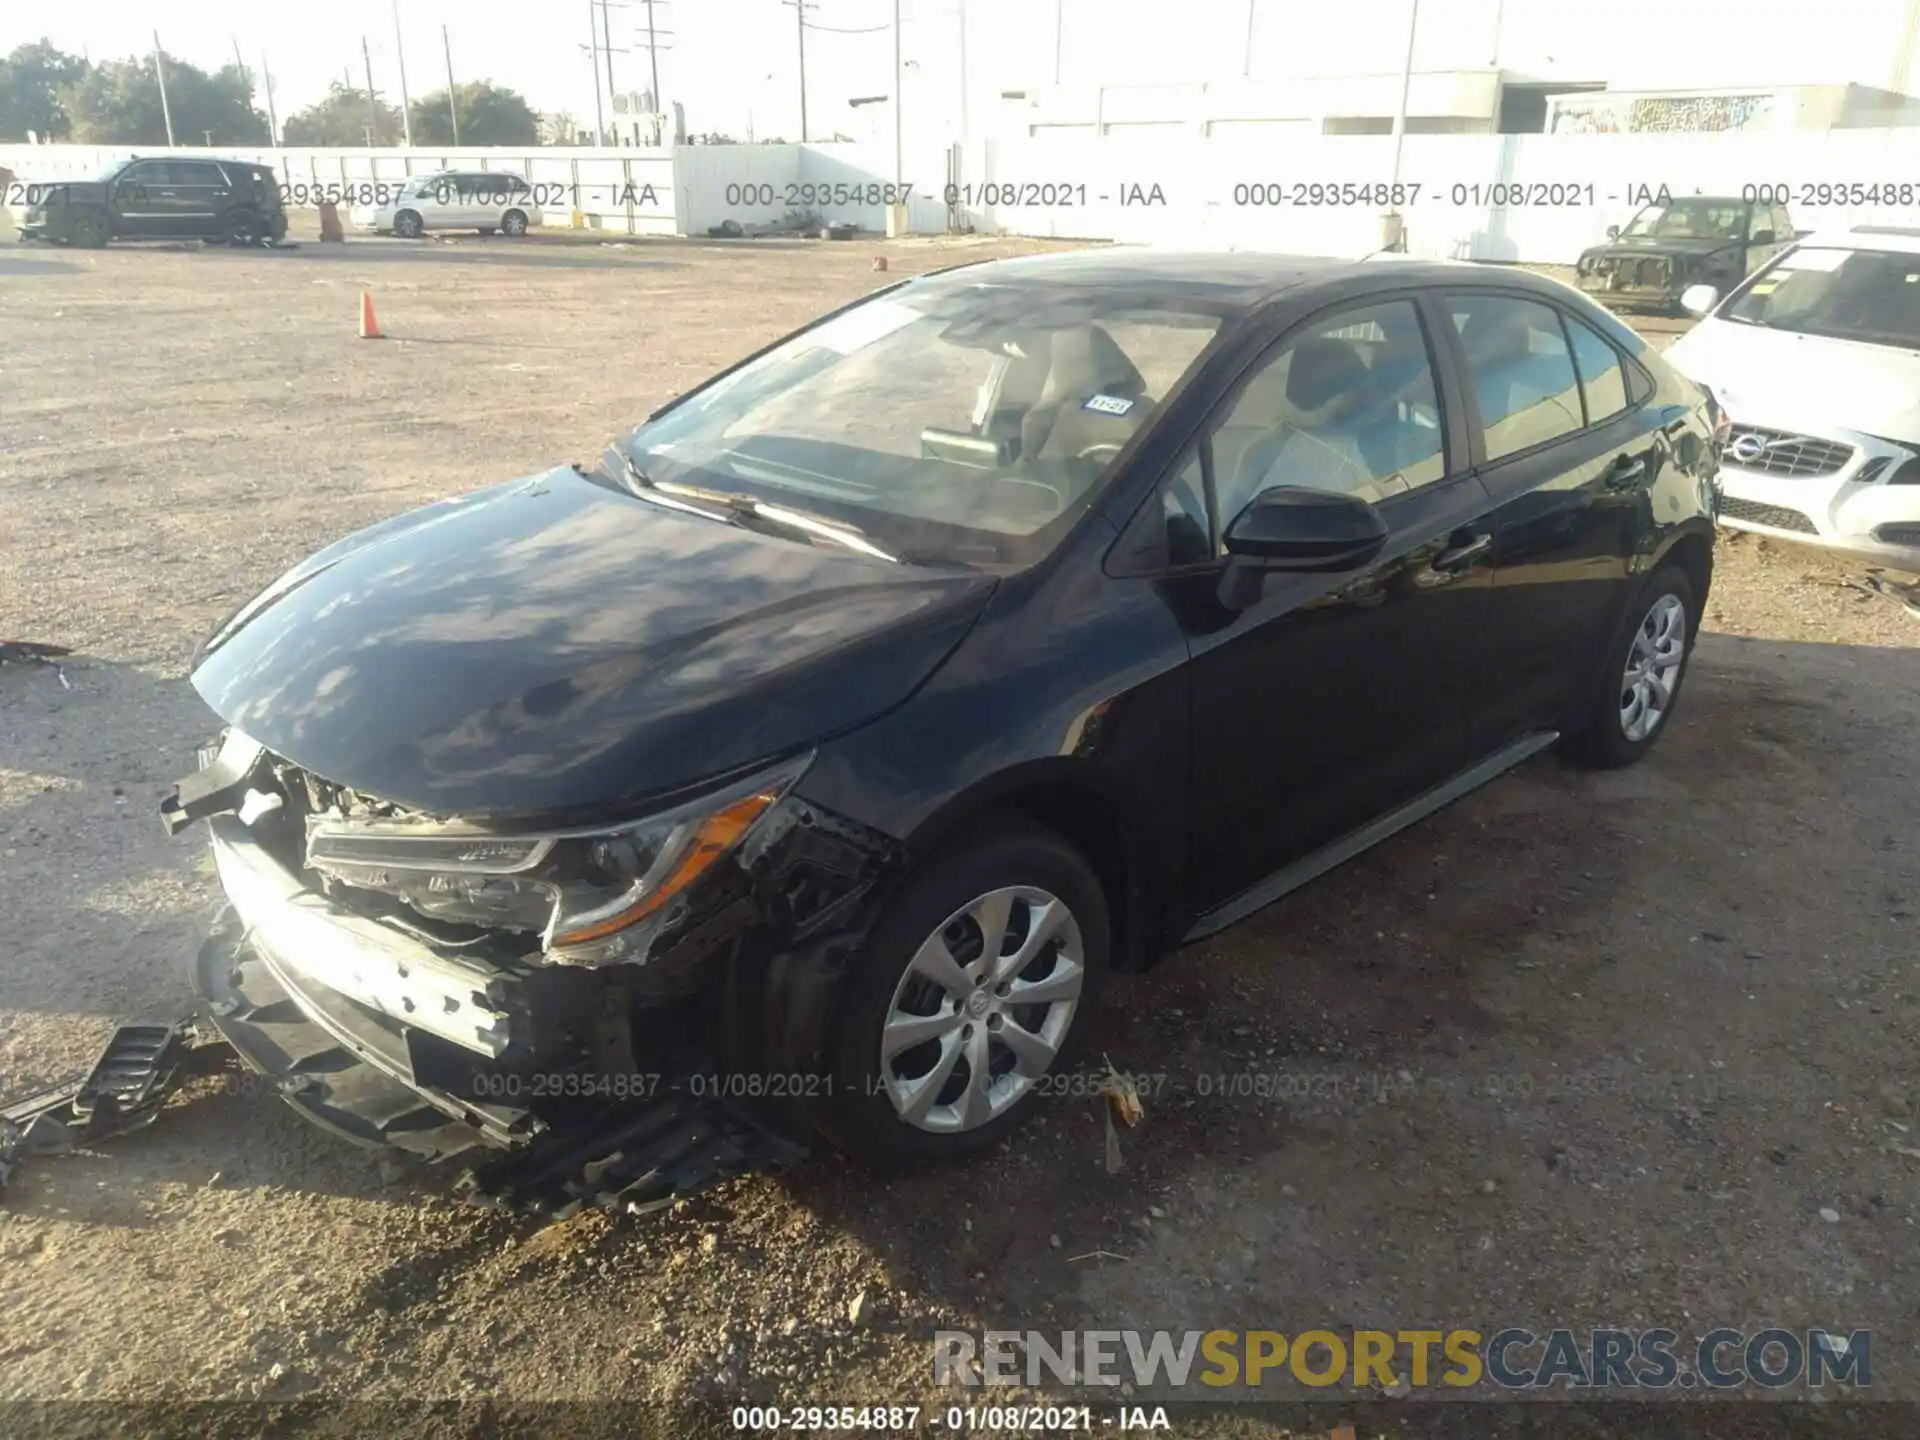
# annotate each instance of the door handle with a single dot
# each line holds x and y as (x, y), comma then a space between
(1463, 555)
(1626, 472)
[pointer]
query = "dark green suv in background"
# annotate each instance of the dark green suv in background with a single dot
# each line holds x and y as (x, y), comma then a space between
(160, 197)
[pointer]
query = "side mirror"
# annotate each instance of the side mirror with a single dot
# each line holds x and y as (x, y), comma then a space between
(1613, 232)
(1698, 299)
(1290, 527)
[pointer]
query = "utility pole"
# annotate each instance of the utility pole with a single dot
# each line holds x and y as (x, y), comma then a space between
(400, 54)
(1393, 233)
(606, 29)
(593, 57)
(963, 70)
(899, 103)
(800, 27)
(453, 110)
(373, 102)
(1247, 69)
(160, 74)
(266, 81)
(653, 60)
(1059, 29)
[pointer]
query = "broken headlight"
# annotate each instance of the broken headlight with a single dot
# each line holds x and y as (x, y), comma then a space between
(593, 896)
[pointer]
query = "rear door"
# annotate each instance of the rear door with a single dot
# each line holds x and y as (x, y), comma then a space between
(201, 194)
(1332, 698)
(1567, 453)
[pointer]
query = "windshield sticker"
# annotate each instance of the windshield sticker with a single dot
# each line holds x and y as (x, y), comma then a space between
(1108, 405)
(1766, 287)
(1815, 260)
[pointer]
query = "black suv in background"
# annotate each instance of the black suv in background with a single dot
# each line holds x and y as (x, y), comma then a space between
(1667, 246)
(160, 197)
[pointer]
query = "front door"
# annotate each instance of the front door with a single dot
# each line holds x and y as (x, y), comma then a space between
(147, 203)
(1569, 457)
(1333, 698)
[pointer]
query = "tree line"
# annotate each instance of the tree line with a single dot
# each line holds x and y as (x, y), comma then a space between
(46, 92)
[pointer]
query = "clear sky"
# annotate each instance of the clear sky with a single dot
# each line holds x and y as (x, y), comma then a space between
(733, 62)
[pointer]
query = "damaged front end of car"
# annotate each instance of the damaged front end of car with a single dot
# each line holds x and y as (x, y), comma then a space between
(549, 1000)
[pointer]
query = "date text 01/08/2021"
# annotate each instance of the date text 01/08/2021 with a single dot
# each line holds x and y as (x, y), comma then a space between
(742, 1085)
(962, 1419)
(1496, 195)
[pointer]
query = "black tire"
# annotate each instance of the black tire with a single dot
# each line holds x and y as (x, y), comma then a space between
(407, 225)
(1602, 739)
(860, 1117)
(242, 227)
(514, 222)
(89, 232)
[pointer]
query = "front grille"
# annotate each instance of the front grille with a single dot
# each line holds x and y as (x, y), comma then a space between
(1776, 517)
(1901, 534)
(1650, 272)
(1779, 452)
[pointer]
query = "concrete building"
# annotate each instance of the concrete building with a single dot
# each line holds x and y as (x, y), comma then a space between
(1480, 66)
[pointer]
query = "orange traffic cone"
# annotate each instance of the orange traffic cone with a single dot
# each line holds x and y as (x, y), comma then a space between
(369, 327)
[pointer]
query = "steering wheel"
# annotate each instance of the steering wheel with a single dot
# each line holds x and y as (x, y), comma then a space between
(1104, 449)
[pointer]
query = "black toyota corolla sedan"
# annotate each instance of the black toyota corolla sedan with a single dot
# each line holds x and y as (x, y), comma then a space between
(803, 767)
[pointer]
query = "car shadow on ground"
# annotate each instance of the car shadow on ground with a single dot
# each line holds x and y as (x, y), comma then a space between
(17, 265)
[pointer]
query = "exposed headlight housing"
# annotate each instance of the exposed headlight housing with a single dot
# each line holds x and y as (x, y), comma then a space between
(593, 896)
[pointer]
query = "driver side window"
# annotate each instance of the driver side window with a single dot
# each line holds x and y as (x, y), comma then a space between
(1348, 404)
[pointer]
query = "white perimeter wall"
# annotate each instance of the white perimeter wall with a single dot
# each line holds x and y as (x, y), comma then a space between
(698, 186)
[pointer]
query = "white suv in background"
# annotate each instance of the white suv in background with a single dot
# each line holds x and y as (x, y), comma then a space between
(483, 200)
(1816, 360)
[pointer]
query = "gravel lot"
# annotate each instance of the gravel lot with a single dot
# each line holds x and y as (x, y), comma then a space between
(1657, 1021)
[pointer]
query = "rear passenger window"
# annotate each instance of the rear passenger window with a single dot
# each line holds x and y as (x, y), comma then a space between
(1520, 370)
(1601, 378)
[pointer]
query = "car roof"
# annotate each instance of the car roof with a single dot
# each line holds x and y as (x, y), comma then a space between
(1904, 239)
(1225, 279)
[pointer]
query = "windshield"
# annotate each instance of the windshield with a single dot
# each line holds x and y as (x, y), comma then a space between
(957, 422)
(1869, 295)
(1691, 219)
(108, 170)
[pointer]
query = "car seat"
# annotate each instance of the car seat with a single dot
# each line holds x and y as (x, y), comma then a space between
(1330, 400)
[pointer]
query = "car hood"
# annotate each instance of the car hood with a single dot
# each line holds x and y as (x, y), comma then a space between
(556, 644)
(1781, 379)
(1637, 245)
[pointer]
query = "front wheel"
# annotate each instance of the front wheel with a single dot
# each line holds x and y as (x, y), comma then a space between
(89, 232)
(407, 225)
(514, 222)
(969, 999)
(1644, 669)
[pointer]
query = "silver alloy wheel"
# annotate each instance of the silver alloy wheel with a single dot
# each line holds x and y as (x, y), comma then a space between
(982, 1009)
(1653, 668)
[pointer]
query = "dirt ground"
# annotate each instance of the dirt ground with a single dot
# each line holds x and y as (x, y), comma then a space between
(1638, 1031)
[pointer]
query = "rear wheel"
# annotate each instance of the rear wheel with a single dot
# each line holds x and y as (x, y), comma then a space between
(242, 228)
(1645, 666)
(971, 993)
(407, 225)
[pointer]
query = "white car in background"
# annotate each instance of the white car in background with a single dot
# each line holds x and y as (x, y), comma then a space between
(1816, 360)
(483, 200)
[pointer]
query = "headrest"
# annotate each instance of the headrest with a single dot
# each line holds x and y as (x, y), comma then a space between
(1322, 370)
(1088, 361)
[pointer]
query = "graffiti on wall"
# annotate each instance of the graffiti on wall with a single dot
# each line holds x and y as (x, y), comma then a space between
(1660, 115)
